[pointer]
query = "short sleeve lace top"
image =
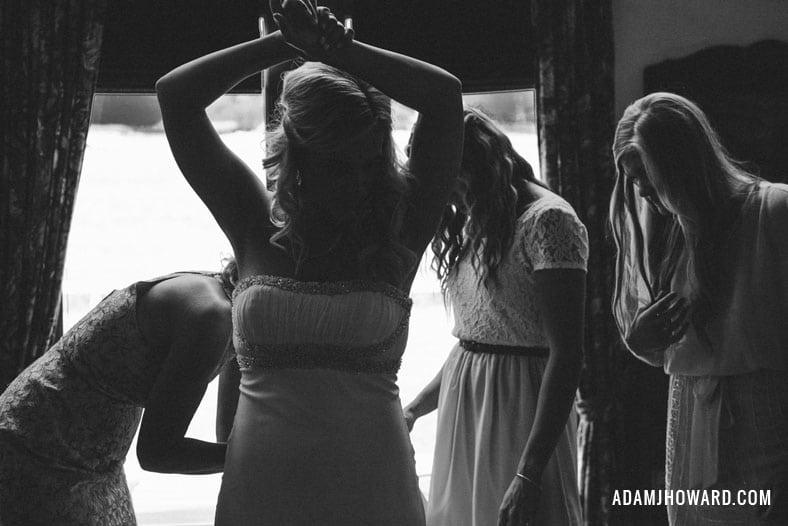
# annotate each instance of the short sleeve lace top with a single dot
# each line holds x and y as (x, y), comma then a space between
(548, 235)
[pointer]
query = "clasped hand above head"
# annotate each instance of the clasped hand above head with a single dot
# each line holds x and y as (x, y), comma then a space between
(314, 31)
(657, 326)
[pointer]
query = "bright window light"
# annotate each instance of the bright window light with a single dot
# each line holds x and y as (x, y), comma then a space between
(135, 218)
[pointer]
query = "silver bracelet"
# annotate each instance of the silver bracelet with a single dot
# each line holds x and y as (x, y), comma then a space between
(537, 486)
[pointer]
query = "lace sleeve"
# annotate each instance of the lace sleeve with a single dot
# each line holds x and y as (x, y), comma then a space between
(556, 239)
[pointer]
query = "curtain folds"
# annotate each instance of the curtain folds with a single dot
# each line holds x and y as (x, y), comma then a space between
(50, 55)
(576, 121)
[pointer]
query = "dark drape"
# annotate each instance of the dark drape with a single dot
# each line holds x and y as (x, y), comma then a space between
(483, 43)
(575, 111)
(50, 54)
(744, 92)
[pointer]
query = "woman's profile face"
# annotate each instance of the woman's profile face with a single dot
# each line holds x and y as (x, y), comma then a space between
(635, 171)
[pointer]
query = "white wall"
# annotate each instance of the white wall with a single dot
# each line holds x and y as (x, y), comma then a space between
(650, 31)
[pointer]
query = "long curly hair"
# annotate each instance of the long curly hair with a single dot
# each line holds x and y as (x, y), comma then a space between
(326, 119)
(481, 219)
(698, 183)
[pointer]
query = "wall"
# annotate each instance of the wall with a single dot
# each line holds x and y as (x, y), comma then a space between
(650, 31)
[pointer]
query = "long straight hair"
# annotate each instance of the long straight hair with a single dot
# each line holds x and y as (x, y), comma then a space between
(492, 183)
(700, 185)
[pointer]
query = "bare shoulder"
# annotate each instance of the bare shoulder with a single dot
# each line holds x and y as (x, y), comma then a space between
(192, 300)
(192, 291)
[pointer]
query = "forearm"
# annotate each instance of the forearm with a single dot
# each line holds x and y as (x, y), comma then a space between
(556, 398)
(224, 424)
(200, 82)
(227, 399)
(426, 88)
(427, 400)
(189, 456)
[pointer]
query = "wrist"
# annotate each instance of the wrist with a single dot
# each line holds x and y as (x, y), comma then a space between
(528, 480)
(283, 49)
(531, 471)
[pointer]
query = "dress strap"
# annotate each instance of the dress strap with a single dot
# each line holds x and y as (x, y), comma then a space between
(488, 348)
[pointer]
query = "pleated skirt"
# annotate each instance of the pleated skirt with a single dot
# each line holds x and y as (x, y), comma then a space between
(486, 410)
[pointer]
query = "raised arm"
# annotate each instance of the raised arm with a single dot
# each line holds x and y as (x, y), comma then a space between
(232, 192)
(436, 149)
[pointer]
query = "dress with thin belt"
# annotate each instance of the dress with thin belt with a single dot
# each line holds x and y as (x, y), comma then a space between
(488, 400)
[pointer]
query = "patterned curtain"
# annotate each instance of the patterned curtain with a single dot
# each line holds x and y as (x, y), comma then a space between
(576, 120)
(50, 54)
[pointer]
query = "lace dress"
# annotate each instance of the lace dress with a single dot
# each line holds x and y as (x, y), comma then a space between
(67, 421)
(318, 436)
(488, 401)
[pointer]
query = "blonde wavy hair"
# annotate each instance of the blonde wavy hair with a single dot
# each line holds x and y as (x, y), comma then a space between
(325, 114)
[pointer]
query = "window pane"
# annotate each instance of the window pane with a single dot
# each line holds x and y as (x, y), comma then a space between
(514, 111)
(136, 217)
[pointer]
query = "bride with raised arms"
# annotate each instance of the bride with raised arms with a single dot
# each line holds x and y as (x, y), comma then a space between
(326, 262)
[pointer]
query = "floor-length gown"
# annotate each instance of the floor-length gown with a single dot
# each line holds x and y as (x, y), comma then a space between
(68, 420)
(488, 400)
(319, 436)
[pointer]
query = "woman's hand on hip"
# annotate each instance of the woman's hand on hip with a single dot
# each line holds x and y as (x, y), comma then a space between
(410, 417)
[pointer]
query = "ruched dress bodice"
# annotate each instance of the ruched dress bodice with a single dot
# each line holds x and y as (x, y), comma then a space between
(354, 326)
(319, 437)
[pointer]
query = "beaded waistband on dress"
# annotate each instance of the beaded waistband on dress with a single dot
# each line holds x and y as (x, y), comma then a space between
(488, 348)
(338, 362)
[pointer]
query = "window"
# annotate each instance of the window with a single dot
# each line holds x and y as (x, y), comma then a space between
(136, 217)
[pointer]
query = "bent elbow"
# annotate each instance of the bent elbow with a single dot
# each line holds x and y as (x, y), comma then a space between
(453, 90)
(170, 94)
(163, 85)
(453, 84)
(163, 90)
(155, 459)
(151, 462)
